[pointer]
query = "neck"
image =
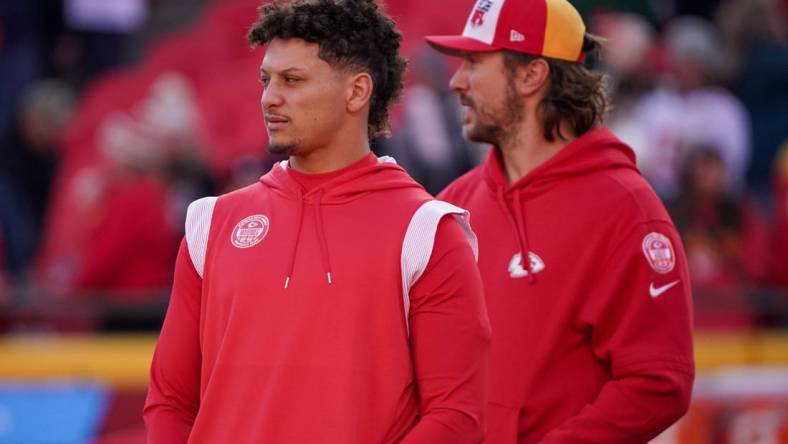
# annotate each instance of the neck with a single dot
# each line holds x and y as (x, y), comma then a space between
(332, 157)
(528, 149)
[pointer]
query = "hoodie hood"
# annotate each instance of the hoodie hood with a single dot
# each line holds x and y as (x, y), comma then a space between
(596, 151)
(368, 175)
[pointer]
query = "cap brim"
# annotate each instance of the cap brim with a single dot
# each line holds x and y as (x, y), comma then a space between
(457, 44)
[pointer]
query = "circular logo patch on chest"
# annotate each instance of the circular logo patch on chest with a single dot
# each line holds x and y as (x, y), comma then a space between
(250, 231)
(659, 252)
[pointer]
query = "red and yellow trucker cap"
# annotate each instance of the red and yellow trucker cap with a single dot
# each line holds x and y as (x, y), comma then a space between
(547, 28)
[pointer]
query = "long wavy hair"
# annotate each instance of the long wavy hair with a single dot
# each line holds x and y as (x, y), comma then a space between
(576, 94)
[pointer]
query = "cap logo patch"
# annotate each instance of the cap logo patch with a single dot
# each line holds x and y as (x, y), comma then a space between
(482, 8)
(515, 36)
(250, 231)
(659, 252)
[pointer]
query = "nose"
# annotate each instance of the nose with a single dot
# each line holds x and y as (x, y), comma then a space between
(459, 80)
(271, 97)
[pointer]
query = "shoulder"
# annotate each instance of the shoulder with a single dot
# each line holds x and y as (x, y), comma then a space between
(626, 204)
(207, 205)
(200, 217)
(243, 193)
(427, 219)
(428, 225)
(627, 196)
(458, 191)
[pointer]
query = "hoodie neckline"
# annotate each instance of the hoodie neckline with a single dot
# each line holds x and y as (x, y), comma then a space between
(379, 174)
(311, 181)
(597, 149)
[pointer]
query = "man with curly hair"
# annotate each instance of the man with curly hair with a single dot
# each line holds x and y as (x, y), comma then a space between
(334, 301)
(584, 274)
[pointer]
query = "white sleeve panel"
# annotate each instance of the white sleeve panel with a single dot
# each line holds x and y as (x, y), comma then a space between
(420, 239)
(198, 226)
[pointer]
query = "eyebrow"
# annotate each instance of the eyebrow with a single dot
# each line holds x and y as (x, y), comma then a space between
(285, 71)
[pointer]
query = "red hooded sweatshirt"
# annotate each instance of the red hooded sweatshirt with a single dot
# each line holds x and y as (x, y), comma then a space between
(337, 308)
(592, 335)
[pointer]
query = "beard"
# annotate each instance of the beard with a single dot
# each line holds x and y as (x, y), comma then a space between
(494, 126)
(283, 148)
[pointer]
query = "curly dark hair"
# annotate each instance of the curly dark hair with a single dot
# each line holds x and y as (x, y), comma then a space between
(576, 94)
(353, 35)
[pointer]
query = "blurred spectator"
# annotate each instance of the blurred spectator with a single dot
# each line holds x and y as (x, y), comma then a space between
(30, 154)
(131, 243)
(757, 32)
(779, 244)
(45, 110)
(152, 171)
(691, 108)
(428, 141)
(630, 59)
(629, 50)
(723, 234)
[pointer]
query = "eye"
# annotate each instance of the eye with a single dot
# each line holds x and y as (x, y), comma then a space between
(291, 79)
(264, 80)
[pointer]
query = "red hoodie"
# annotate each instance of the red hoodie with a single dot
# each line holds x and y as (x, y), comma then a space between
(351, 312)
(592, 336)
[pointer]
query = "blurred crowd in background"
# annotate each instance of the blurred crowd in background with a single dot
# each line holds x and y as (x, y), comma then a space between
(114, 115)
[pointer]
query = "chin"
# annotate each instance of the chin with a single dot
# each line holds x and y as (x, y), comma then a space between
(281, 148)
(472, 133)
(479, 135)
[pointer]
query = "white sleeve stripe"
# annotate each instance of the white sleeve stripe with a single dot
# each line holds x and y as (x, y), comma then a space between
(198, 226)
(420, 239)
(464, 219)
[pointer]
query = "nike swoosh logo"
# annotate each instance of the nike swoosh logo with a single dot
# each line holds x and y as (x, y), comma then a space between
(656, 291)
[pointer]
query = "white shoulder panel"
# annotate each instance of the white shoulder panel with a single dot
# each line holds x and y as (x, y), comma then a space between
(387, 159)
(420, 239)
(198, 226)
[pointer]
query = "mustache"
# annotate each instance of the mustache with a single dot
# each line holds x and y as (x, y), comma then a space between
(466, 101)
(268, 116)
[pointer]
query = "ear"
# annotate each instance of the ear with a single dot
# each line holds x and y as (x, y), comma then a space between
(359, 91)
(532, 78)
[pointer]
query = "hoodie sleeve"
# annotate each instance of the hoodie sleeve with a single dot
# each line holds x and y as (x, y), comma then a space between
(640, 319)
(174, 391)
(450, 337)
